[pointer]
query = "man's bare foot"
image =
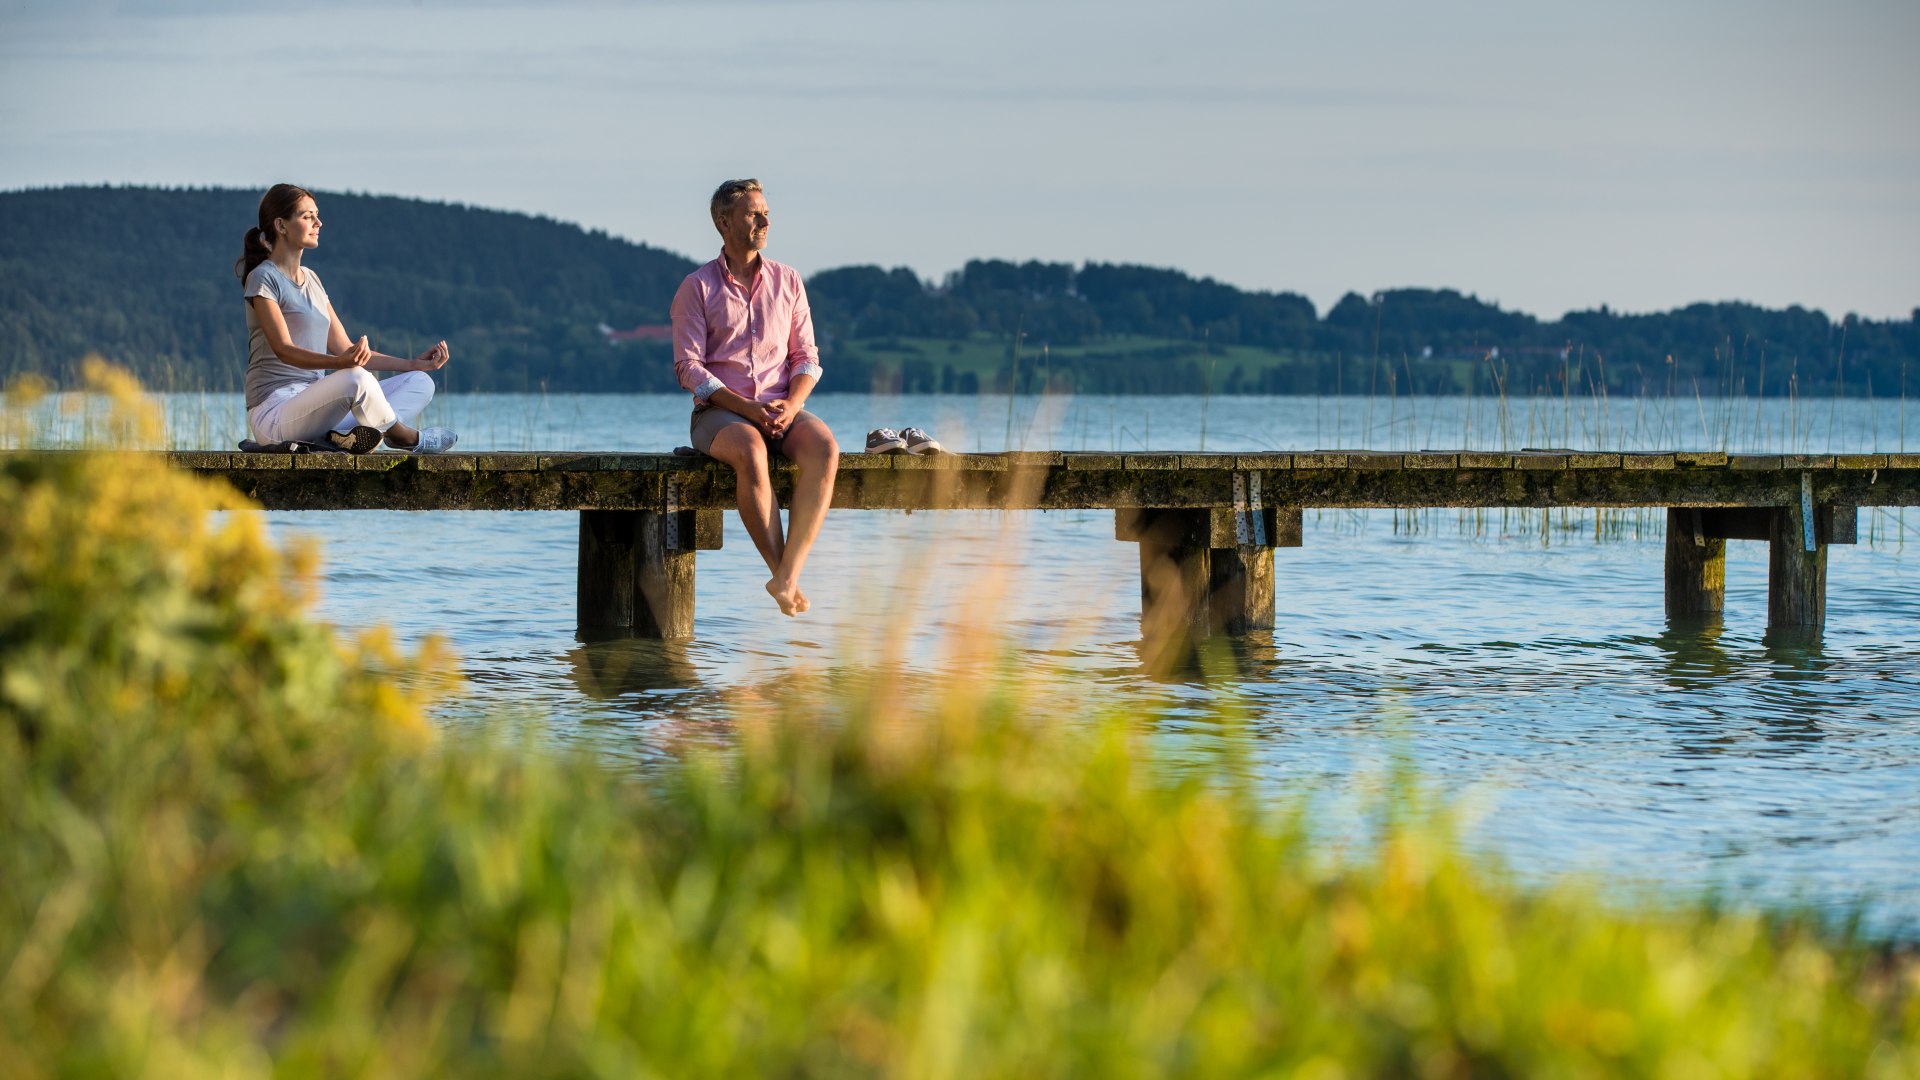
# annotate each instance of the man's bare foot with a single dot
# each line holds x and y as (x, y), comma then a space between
(784, 595)
(800, 602)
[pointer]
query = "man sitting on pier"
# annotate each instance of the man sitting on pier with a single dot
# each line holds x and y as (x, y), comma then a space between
(743, 344)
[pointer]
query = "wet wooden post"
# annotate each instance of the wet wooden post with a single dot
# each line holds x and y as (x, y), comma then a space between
(663, 578)
(605, 584)
(1796, 577)
(1176, 574)
(637, 569)
(1205, 571)
(1696, 566)
(1797, 558)
(1240, 565)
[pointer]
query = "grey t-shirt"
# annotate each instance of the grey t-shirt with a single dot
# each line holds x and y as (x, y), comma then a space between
(304, 307)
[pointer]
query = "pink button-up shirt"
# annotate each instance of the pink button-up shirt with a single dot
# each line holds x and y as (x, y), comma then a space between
(749, 341)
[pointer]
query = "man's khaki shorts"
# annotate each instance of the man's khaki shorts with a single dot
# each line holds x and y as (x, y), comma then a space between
(707, 423)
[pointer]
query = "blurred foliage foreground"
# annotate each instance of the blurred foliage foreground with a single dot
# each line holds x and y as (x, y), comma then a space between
(232, 847)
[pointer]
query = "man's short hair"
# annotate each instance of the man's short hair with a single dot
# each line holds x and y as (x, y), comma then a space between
(725, 194)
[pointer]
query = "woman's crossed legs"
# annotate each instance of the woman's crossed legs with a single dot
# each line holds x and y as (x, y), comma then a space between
(341, 401)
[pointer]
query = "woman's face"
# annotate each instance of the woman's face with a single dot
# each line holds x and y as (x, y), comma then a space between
(301, 232)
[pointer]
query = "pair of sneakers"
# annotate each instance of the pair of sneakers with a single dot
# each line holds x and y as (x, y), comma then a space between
(364, 440)
(905, 441)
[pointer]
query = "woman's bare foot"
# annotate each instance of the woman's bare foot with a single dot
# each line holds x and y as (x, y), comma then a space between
(800, 601)
(783, 594)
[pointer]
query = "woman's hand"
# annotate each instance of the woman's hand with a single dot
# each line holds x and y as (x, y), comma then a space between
(433, 359)
(356, 354)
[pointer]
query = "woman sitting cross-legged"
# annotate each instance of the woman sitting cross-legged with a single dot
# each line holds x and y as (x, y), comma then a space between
(293, 336)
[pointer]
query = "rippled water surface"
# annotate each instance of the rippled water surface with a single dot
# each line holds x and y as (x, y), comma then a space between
(1529, 671)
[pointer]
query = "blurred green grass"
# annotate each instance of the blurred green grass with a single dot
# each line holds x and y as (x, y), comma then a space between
(234, 847)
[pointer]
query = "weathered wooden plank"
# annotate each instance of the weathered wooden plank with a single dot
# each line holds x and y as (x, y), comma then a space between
(1263, 461)
(1208, 461)
(1320, 459)
(1806, 461)
(517, 462)
(1541, 460)
(1860, 461)
(433, 463)
(323, 460)
(1088, 462)
(1142, 462)
(1375, 459)
(1431, 459)
(1700, 458)
(200, 459)
(1639, 462)
(263, 461)
(1578, 460)
(1473, 459)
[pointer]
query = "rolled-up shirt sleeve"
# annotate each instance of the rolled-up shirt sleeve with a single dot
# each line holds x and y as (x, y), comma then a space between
(690, 341)
(803, 356)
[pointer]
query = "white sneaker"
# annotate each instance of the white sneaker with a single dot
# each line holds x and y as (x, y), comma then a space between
(885, 440)
(435, 440)
(919, 442)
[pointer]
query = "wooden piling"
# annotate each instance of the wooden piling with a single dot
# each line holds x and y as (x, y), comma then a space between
(605, 586)
(663, 576)
(1204, 572)
(636, 570)
(1696, 566)
(1796, 577)
(1240, 588)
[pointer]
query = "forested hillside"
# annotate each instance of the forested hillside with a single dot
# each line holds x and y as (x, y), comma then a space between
(144, 276)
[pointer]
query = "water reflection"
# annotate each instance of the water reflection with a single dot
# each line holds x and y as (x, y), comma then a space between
(1691, 653)
(607, 667)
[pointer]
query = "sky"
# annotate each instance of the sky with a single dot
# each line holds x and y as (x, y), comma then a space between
(1547, 156)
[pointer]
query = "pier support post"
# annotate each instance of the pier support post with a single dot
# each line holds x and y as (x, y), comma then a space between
(1796, 577)
(604, 588)
(1205, 571)
(637, 569)
(1696, 566)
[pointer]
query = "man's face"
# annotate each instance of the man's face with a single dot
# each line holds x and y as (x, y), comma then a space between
(744, 224)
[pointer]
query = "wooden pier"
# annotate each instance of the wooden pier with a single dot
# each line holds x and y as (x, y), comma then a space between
(1206, 524)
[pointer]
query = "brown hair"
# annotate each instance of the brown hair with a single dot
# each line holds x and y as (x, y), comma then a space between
(724, 195)
(279, 202)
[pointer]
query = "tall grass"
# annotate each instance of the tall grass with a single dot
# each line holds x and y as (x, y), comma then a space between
(234, 847)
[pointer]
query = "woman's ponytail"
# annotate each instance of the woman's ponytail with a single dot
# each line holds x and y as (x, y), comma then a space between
(254, 250)
(280, 201)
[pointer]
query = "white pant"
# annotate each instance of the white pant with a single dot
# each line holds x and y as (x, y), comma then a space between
(340, 402)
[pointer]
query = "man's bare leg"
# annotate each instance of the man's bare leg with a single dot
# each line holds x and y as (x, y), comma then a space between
(741, 446)
(810, 445)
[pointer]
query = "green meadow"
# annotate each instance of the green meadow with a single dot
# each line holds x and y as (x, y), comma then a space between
(236, 846)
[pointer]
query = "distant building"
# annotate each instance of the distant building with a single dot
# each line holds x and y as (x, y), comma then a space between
(643, 332)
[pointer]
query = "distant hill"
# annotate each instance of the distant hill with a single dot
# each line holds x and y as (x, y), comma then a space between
(143, 276)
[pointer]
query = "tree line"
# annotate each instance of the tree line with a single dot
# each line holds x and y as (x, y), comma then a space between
(142, 275)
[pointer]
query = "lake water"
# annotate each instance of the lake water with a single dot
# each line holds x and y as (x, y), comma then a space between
(1521, 661)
